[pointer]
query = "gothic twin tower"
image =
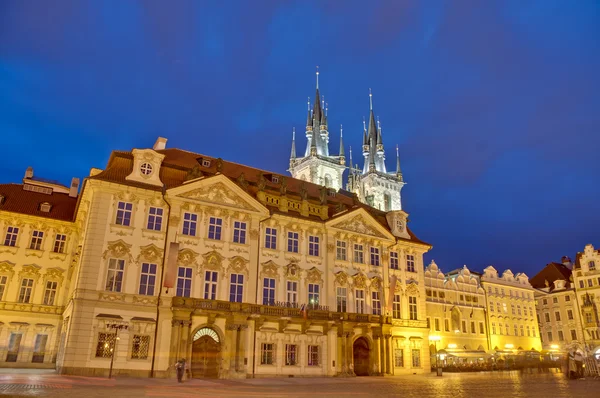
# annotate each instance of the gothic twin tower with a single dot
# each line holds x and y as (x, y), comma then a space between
(373, 184)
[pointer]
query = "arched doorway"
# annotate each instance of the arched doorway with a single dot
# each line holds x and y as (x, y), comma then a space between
(361, 355)
(206, 346)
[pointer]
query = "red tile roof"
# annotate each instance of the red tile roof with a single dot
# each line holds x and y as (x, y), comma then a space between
(550, 273)
(17, 200)
(178, 163)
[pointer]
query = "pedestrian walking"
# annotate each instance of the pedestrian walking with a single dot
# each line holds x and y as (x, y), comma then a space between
(180, 368)
(579, 364)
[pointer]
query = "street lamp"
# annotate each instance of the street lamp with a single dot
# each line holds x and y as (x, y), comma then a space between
(435, 339)
(116, 327)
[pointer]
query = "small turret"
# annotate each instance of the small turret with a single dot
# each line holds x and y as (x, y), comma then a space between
(342, 153)
(293, 152)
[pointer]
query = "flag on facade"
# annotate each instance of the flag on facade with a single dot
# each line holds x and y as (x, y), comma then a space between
(304, 311)
(171, 266)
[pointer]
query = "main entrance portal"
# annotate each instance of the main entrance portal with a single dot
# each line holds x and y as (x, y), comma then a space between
(361, 357)
(205, 354)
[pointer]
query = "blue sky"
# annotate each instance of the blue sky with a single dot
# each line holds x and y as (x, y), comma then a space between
(495, 104)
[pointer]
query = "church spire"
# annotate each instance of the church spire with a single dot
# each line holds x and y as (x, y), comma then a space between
(398, 171)
(342, 152)
(309, 116)
(293, 154)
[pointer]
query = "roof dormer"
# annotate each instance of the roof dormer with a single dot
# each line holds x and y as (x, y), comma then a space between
(397, 221)
(146, 167)
(45, 207)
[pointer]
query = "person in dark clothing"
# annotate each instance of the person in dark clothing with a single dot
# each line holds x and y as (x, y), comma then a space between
(180, 368)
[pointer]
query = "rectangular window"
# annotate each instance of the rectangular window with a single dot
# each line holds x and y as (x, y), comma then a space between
(375, 256)
(573, 334)
(581, 284)
(358, 254)
(515, 330)
(410, 263)
(522, 330)
(394, 260)
(555, 300)
(290, 354)
(3, 282)
(416, 358)
(184, 281)
(36, 240)
(210, 285)
(376, 303)
(592, 266)
(446, 325)
(59, 243)
(570, 314)
(473, 330)
(155, 215)
(341, 299)
(528, 332)
(533, 331)
(498, 307)
(519, 310)
(50, 292)
(506, 328)
(114, 275)
(105, 346)
(11, 236)
(360, 301)
(292, 292)
(270, 238)
(436, 322)
(512, 308)
(399, 357)
(268, 291)
(266, 354)
(313, 294)
(236, 288)
(292, 242)
(340, 250)
(313, 246)
(549, 336)
(239, 232)
(557, 316)
(313, 355)
(124, 210)
(464, 326)
(139, 347)
(481, 328)
(190, 222)
(561, 337)
(39, 348)
(14, 343)
(396, 313)
(214, 228)
(412, 307)
(147, 279)
(493, 328)
(25, 292)
(567, 298)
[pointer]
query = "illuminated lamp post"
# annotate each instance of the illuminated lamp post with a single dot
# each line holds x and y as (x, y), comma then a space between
(435, 339)
(116, 327)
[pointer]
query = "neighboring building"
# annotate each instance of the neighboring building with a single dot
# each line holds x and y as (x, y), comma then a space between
(556, 306)
(248, 251)
(456, 313)
(586, 278)
(511, 314)
(38, 242)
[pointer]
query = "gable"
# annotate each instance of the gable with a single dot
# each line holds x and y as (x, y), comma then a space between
(361, 222)
(219, 191)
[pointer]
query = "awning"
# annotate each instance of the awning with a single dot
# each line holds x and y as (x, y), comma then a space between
(469, 354)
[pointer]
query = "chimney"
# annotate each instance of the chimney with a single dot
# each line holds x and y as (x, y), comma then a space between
(74, 187)
(566, 261)
(29, 172)
(161, 143)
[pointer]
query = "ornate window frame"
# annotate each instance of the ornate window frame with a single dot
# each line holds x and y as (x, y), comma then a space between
(7, 269)
(28, 271)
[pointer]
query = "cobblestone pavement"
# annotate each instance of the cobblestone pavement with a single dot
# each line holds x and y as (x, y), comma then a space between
(473, 385)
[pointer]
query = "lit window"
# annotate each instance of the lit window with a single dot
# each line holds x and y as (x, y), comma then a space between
(268, 291)
(155, 215)
(25, 292)
(206, 163)
(436, 322)
(184, 281)
(124, 210)
(147, 279)
(236, 288)
(358, 254)
(214, 228)
(210, 285)
(313, 355)
(313, 245)
(592, 266)
(375, 256)
(139, 347)
(313, 294)
(290, 354)
(341, 299)
(11, 236)
(481, 328)
(446, 325)
(292, 292)
(266, 354)
(376, 303)
(399, 357)
(416, 358)
(105, 346)
(36, 240)
(239, 232)
(394, 260)
(59, 243)
(50, 292)
(270, 238)
(340, 250)
(292, 242)
(189, 224)
(3, 282)
(410, 263)
(114, 275)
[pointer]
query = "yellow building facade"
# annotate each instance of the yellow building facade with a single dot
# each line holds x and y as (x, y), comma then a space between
(586, 278)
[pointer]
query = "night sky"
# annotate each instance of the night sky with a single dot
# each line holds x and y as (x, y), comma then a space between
(495, 104)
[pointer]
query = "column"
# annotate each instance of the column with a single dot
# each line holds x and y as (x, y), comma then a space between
(376, 355)
(387, 354)
(349, 355)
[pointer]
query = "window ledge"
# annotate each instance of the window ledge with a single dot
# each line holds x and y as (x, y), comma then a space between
(57, 256)
(34, 253)
(122, 230)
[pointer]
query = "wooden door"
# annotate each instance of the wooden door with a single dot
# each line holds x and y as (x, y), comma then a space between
(205, 355)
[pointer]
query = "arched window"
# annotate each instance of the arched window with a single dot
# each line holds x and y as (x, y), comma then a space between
(327, 181)
(387, 202)
(206, 332)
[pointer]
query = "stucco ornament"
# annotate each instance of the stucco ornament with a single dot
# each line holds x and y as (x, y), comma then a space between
(150, 253)
(360, 225)
(341, 278)
(217, 193)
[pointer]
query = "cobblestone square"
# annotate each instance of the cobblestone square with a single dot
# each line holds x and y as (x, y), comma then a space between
(499, 384)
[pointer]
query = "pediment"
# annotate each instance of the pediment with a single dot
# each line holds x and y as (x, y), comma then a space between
(220, 191)
(361, 222)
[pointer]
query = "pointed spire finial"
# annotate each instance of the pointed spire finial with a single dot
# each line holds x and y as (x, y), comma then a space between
(317, 77)
(341, 130)
(370, 100)
(364, 124)
(323, 101)
(293, 152)
(326, 108)
(308, 103)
